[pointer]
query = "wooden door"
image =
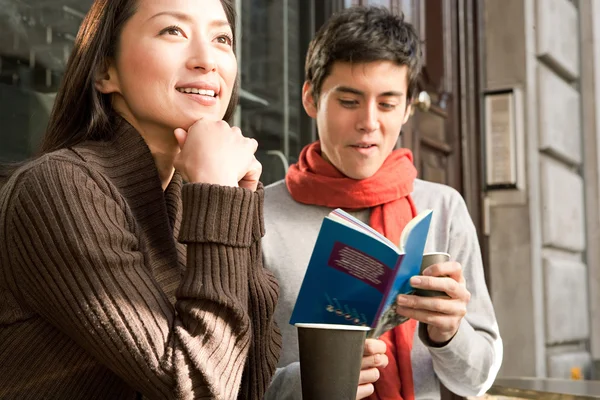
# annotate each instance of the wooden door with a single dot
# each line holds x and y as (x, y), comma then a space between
(431, 132)
(443, 132)
(444, 129)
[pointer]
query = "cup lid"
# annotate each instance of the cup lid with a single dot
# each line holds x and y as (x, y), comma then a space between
(436, 253)
(333, 326)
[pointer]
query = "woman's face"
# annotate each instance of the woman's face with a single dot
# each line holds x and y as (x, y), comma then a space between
(174, 65)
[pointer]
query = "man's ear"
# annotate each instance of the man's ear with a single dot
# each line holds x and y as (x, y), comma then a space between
(408, 112)
(106, 79)
(308, 100)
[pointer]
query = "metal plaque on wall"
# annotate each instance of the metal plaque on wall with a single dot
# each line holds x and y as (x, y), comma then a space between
(501, 158)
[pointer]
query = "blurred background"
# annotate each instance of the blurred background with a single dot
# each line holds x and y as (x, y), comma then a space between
(506, 113)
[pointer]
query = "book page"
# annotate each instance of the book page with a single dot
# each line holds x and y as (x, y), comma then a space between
(342, 217)
(409, 227)
(410, 265)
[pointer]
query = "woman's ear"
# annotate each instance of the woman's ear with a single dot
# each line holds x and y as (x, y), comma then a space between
(107, 79)
(308, 100)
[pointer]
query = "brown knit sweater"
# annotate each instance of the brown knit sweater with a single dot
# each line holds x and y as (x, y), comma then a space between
(111, 287)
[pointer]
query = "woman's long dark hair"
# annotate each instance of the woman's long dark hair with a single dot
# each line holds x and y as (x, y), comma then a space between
(80, 111)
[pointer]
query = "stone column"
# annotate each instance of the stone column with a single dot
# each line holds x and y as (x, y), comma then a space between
(538, 232)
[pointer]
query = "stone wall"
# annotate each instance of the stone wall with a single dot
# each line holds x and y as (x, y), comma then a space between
(538, 239)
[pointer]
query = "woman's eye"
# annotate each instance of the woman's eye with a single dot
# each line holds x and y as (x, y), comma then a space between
(225, 39)
(173, 30)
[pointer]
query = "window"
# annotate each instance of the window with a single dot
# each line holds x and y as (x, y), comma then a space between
(35, 42)
(37, 37)
(271, 66)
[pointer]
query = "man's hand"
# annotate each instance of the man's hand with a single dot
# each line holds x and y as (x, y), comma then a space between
(373, 357)
(441, 314)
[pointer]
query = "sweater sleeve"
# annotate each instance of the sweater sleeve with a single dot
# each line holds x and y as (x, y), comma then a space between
(263, 294)
(469, 363)
(77, 259)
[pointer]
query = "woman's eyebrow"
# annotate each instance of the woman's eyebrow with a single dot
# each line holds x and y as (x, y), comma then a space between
(189, 19)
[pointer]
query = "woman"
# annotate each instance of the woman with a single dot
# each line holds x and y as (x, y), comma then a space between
(130, 252)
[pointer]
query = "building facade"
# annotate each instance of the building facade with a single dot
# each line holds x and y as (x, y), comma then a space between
(508, 113)
(543, 253)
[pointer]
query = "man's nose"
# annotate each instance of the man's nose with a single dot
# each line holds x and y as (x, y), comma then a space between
(369, 119)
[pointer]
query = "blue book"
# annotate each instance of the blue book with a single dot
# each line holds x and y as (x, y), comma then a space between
(355, 273)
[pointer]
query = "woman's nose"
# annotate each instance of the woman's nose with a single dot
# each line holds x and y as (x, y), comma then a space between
(202, 58)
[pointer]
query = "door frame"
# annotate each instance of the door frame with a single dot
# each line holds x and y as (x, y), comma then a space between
(469, 17)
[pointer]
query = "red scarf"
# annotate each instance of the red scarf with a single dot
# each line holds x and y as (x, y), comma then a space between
(317, 182)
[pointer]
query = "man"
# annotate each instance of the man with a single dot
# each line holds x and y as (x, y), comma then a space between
(361, 72)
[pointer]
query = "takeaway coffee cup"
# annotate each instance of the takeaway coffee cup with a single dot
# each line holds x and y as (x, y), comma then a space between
(431, 259)
(330, 360)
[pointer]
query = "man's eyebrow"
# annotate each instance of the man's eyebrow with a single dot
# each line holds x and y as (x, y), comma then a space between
(347, 89)
(351, 90)
(391, 93)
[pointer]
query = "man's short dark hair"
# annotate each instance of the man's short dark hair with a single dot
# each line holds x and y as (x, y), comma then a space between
(360, 35)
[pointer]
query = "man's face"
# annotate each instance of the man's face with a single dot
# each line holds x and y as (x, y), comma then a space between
(360, 112)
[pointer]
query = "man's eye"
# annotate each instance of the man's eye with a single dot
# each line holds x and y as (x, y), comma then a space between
(388, 106)
(348, 103)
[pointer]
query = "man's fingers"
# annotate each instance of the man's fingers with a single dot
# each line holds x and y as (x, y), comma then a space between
(441, 321)
(450, 286)
(438, 305)
(375, 360)
(368, 376)
(365, 391)
(374, 346)
(450, 269)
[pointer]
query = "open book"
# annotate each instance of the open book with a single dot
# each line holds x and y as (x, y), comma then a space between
(355, 273)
